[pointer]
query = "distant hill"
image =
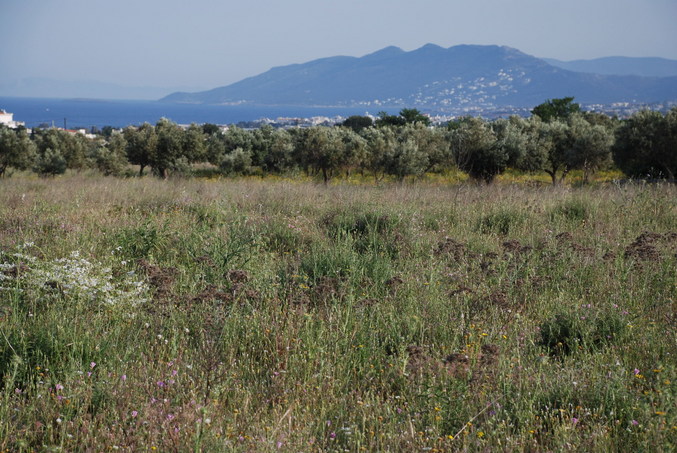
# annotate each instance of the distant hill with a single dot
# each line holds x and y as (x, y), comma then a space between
(647, 67)
(433, 78)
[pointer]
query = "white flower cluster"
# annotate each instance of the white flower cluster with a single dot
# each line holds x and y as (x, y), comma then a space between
(75, 277)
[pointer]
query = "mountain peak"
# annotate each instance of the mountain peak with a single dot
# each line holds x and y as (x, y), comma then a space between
(429, 47)
(433, 78)
(389, 51)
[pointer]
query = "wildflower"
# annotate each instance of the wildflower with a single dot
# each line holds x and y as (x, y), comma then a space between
(123, 377)
(634, 422)
(92, 365)
(574, 420)
(332, 435)
(134, 413)
(636, 371)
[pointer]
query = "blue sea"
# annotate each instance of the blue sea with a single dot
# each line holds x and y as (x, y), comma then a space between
(85, 113)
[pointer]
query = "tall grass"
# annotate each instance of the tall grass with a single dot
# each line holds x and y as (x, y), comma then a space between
(278, 316)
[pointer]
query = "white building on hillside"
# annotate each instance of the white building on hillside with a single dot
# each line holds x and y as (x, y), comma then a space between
(8, 120)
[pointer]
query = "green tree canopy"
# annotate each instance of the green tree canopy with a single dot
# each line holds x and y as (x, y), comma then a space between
(475, 150)
(358, 122)
(16, 149)
(646, 145)
(141, 145)
(553, 109)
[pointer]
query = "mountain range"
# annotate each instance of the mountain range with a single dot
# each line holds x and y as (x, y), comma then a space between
(641, 66)
(446, 79)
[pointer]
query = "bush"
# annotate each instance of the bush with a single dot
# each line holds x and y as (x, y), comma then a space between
(566, 332)
(51, 163)
(501, 222)
(575, 210)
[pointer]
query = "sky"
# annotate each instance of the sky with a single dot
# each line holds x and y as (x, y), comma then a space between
(210, 43)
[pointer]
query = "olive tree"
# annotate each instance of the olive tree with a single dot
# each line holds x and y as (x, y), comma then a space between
(475, 150)
(110, 158)
(141, 145)
(328, 150)
(646, 145)
(16, 150)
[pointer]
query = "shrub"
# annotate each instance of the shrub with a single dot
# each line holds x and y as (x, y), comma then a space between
(500, 222)
(51, 163)
(575, 210)
(566, 332)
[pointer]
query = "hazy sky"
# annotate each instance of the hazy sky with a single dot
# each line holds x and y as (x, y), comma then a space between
(209, 43)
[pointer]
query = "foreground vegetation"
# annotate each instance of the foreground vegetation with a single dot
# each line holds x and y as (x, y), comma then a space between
(179, 315)
(556, 140)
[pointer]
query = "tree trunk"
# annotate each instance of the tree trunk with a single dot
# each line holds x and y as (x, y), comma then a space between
(564, 174)
(553, 176)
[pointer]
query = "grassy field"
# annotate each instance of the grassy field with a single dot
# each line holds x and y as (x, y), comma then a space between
(244, 315)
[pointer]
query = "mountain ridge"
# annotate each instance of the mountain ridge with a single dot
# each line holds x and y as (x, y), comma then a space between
(433, 78)
(617, 65)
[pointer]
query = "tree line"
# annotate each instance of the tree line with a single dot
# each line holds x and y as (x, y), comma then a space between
(555, 140)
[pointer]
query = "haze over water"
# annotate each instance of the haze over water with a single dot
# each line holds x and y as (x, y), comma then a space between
(99, 113)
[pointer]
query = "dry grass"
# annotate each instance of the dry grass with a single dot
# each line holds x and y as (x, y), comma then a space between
(290, 316)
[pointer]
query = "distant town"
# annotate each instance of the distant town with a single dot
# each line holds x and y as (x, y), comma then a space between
(620, 110)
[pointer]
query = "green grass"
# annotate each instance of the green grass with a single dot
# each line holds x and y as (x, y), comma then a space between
(248, 315)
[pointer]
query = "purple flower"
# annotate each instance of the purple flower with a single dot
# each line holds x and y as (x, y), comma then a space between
(634, 423)
(92, 365)
(135, 413)
(636, 371)
(332, 435)
(59, 386)
(574, 420)
(123, 377)
(160, 384)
